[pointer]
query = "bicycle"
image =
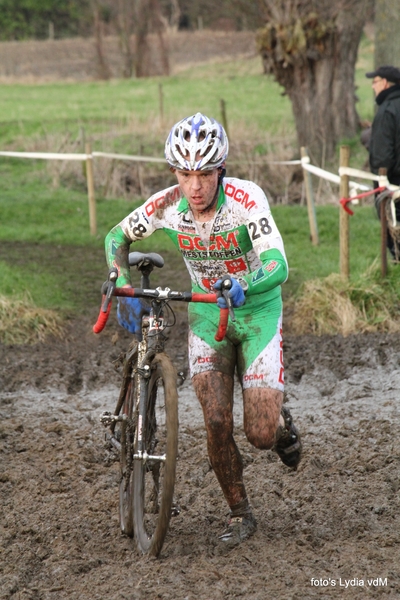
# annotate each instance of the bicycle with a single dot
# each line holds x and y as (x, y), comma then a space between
(144, 426)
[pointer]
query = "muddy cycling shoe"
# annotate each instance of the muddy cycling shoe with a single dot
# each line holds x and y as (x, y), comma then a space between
(288, 443)
(239, 529)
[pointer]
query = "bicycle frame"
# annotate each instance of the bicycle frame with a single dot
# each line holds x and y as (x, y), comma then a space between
(145, 446)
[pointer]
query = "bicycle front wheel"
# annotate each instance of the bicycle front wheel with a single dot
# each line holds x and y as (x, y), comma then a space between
(154, 474)
(126, 462)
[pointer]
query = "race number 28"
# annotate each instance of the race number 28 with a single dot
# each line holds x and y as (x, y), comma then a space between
(262, 227)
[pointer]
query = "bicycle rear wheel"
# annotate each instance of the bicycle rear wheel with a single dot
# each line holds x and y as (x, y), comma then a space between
(127, 433)
(154, 479)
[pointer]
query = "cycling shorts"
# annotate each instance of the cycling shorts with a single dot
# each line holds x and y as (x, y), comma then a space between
(252, 345)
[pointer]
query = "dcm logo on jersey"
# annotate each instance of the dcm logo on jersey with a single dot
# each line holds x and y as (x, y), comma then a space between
(217, 242)
(162, 201)
(239, 195)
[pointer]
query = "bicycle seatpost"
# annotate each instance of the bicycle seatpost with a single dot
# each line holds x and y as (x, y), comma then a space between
(145, 270)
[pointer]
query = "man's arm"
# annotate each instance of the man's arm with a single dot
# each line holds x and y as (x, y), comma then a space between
(117, 251)
(135, 227)
(268, 244)
(273, 272)
(382, 152)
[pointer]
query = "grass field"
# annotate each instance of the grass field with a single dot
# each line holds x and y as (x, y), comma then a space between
(124, 116)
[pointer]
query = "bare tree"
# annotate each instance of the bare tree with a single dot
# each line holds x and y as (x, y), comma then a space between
(125, 26)
(149, 19)
(160, 27)
(387, 33)
(134, 21)
(170, 14)
(103, 69)
(310, 46)
(142, 50)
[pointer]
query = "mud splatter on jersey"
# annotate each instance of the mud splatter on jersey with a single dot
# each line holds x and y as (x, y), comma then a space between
(243, 241)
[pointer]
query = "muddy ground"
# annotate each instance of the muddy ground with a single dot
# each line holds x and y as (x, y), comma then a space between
(329, 530)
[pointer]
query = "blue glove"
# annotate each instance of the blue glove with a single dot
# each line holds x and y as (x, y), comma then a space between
(236, 293)
(130, 312)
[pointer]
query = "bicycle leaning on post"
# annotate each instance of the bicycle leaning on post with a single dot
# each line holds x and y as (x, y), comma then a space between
(144, 426)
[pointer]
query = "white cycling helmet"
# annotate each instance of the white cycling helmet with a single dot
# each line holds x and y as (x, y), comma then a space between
(196, 143)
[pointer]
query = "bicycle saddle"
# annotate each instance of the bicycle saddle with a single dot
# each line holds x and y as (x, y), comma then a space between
(152, 258)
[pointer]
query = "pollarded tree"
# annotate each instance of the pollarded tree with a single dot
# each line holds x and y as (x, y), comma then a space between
(310, 46)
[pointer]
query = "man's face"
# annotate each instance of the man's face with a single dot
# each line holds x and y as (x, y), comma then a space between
(378, 85)
(198, 187)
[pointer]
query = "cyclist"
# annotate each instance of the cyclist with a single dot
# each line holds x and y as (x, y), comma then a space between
(221, 225)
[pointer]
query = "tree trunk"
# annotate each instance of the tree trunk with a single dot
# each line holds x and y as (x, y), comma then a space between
(103, 70)
(387, 33)
(142, 50)
(148, 19)
(125, 27)
(312, 55)
(175, 16)
(160, 26)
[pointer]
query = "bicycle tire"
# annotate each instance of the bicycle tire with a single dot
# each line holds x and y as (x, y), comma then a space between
(154, 482)
(127, 432)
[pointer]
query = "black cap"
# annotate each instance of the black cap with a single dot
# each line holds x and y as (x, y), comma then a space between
(388, 72)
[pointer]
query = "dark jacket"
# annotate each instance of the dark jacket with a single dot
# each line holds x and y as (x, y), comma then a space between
(384, 148)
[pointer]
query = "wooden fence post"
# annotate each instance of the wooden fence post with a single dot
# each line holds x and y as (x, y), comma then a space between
(384, 232)
(224, 117)
(344, 216)
(90, 188)
(312, 219)
(161, 103)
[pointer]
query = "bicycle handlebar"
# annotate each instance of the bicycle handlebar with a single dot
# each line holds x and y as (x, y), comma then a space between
(160, 294)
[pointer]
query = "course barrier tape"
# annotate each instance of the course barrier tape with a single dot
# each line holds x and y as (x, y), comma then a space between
(60, 156)
(162, 160)
(66, 156)
(305, 162)
(357, 173)
(382, 179)
(46, 155)
(129, 157)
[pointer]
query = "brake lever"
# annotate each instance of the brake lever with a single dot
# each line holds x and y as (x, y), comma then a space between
(226, 285)
(111, 285)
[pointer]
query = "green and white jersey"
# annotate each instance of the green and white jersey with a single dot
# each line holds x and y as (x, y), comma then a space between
(242, 239)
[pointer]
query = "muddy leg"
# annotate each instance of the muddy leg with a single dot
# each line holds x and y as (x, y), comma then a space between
(215, 393)
(262, 408)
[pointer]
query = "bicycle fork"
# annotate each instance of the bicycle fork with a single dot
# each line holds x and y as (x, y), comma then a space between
(142, 374)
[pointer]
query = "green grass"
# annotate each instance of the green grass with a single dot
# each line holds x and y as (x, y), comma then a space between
(98, 106)
(307, 261)
(253, 100)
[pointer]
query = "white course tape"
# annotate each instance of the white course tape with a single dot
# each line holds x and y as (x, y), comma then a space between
(129, 157)
(58, 156)
(162, 160)
(320, 172)
(46, 155)
(382, 179)
(284, 162)
(357, 173)
(305, 161)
